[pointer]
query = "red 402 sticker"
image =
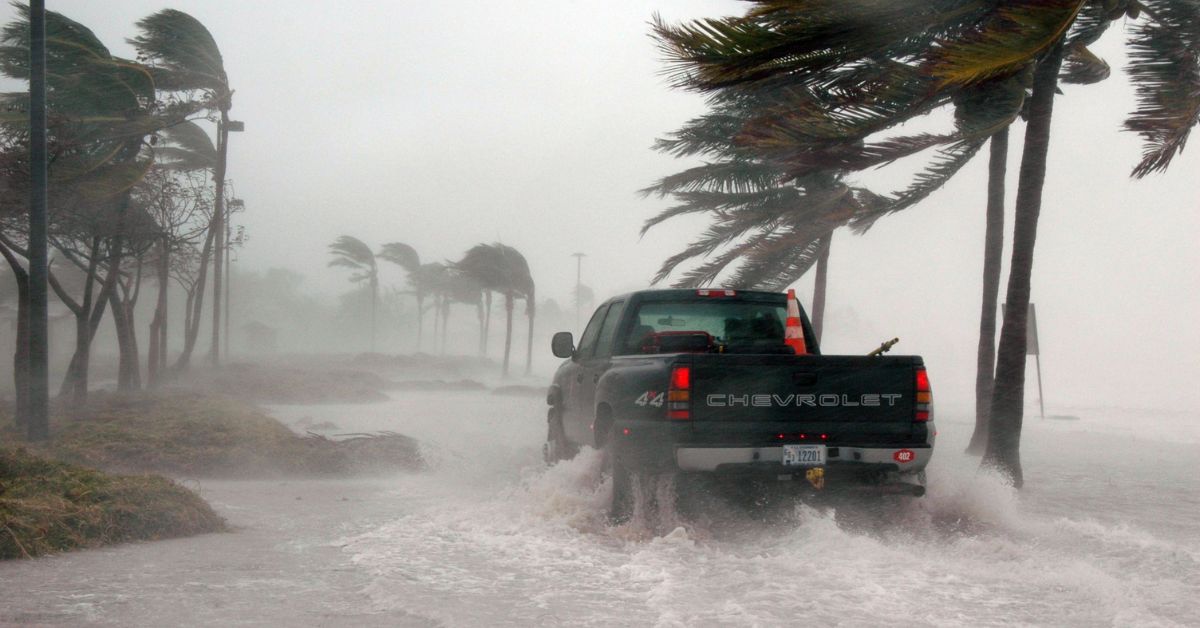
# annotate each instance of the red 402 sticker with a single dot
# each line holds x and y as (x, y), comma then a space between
(904, 456)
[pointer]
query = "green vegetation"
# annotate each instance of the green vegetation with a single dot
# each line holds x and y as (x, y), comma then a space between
(48, 506)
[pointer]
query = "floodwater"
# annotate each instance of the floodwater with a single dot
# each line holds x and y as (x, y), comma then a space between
(1105, 533)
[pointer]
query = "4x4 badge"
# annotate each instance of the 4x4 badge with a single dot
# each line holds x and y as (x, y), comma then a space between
(651, 398)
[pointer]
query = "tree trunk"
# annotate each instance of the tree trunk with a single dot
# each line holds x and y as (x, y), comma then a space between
(445, 321)
(530, 310)
(21, 352)
(152, 365)
(75, 382)
(374, 305)
(156, 355)
(129, 374)
(218, 227)
(166, 308)
(437, 323)
(819, 287)
(196, 300)
(122, 298)
(1008, 393)
(993, 248)
(487, 322)
(508, 316)
(420, 319)
(479, 315)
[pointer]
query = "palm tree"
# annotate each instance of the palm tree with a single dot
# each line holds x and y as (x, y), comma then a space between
(186, 58)
(914, 59)
(501, 268)
(429, 281)
(993, 245)
(352, 253)
(103, 110)
(406, 257)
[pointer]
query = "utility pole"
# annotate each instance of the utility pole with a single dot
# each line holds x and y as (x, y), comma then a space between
(39, 385)
(225, 126)
(233, 205)
(578, 275)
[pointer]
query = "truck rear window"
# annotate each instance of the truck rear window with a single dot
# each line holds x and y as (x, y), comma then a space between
(737, 326)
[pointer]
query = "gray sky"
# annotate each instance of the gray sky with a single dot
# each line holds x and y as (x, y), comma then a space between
(447, 124)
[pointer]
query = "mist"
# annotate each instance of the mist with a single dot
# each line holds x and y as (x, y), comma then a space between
(445, 126)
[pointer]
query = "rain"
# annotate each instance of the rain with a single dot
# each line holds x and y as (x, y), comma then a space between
(303, 267)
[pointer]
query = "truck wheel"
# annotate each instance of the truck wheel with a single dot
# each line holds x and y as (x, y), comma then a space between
(556, 448)
(621, 506)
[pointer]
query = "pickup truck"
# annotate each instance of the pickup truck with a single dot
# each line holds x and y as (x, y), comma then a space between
(706, 382)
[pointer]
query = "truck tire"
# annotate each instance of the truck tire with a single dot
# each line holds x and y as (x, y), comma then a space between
(620, 507)
(556, 448)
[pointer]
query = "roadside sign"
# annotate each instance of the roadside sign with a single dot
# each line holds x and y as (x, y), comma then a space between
(1033, 347)
(1031, 333)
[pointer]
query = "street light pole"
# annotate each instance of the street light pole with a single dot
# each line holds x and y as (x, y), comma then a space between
(39, 386)
(578, 275)
(233, 205)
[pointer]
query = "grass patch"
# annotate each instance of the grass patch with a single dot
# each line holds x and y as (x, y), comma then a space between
(185, 433)
(48, 506)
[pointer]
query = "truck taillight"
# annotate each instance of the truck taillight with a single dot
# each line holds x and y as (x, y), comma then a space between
(679, 393)
(924, 405)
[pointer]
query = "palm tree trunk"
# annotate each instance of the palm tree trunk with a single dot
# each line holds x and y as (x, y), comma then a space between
(508, 314)
(1008, 393)
(420, 319)
(530, 310)
(820, 286)
(445, 321)
(993, 247)
(374, 306)
(487, 322)
(218, 227)
(479, 315)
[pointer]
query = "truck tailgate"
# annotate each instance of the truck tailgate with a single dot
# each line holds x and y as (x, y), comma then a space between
(832, 398)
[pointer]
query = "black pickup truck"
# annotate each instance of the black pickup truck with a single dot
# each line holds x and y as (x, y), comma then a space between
(704, 381)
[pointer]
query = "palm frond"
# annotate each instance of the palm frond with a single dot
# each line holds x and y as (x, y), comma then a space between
(734, 176)
(184, 52)
(1012, 35)
(797, 39)
(401, 254)
(1081, 67)
(351, 252)
(1165, 70)
(187, 147)
(940, 170)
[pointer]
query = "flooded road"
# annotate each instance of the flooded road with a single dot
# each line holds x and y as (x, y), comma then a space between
(1105, 533)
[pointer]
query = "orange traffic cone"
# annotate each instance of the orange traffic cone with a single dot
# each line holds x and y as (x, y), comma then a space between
(793, 334)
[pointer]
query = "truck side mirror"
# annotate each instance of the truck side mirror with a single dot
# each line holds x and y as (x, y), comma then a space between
(563, 345)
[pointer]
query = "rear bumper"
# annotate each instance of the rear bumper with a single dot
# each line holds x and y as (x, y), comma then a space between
(659, 446)
(902, 458)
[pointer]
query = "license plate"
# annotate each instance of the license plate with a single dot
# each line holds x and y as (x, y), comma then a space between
(803, 455)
